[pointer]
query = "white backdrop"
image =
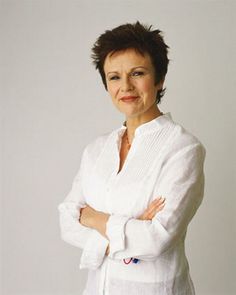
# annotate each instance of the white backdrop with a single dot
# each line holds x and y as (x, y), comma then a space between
(53, 103)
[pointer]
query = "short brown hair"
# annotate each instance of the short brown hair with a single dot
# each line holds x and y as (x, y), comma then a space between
(137, 36)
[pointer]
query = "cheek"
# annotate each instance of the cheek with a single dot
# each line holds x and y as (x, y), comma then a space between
(146, 86)
(112, 89)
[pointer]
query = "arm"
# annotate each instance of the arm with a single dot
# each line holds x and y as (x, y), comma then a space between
(72, 231)
(97, 220)
(182, 183)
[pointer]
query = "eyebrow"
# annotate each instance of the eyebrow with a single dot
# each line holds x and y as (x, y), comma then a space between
(138, 67)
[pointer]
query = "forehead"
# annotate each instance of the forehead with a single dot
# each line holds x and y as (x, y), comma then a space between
(127, 58)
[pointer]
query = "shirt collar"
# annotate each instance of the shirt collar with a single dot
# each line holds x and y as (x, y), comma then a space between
(153, 124)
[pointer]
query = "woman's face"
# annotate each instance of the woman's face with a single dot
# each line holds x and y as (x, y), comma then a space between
(130, 81)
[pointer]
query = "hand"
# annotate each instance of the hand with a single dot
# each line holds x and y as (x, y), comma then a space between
(87, 215)
(94, 219)
(156, 206)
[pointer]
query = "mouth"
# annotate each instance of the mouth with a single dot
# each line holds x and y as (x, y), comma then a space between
(129, 98)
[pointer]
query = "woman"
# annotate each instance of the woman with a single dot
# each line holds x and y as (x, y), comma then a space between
(132, 239)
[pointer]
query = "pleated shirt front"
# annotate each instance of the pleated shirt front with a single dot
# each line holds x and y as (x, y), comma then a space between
(164, 160)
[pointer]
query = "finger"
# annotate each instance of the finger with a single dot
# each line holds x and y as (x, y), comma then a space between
(152, 206)
(153, 203)
(160, 205)
(156, 209)
(149, 215)
(156, 203)
(159, 208)
(159, 200)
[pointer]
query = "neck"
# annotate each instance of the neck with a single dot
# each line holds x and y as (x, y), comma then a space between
(134, 122)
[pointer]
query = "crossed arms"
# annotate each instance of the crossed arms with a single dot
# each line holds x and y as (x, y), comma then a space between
(148, 236)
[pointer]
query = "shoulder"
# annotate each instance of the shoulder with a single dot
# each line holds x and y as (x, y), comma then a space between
(93, 148)
(184, 154)
(185, 141)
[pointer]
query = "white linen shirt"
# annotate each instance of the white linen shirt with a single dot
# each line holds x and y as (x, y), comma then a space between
(164, 160)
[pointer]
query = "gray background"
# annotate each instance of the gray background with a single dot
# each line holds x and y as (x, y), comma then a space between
(53, 103)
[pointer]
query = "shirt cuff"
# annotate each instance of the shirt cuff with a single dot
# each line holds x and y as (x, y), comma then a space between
(94, 251)
(115, 231)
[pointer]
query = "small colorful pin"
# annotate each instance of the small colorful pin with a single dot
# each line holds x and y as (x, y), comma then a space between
(135, 260)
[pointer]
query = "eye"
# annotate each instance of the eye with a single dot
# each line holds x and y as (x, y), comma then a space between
(114, 77)
(137, 73)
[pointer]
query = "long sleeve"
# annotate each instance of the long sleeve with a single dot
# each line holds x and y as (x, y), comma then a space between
(73, 232)
(181, 182)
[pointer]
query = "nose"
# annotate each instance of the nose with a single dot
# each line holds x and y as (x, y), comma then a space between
(126, 84)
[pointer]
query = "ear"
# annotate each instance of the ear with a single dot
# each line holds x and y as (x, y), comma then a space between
(160, 84)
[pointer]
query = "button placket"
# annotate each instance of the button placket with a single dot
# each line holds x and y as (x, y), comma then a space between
(110, 182)
(108, 189)
(103, 277)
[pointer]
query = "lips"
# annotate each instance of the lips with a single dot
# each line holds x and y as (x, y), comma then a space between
(129, 98)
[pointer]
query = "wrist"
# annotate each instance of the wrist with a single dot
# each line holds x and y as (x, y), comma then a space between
(99, 222)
